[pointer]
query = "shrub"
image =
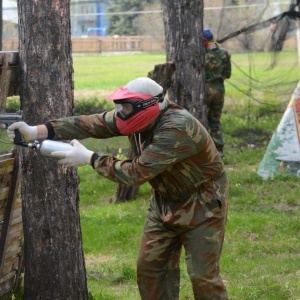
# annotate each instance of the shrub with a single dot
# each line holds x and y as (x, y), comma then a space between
(82, 106)
(91, 106)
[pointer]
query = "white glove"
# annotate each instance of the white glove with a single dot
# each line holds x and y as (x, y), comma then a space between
(29, 133)
(78, 156)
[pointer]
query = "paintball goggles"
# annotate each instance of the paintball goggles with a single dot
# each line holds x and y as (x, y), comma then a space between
(45, 148)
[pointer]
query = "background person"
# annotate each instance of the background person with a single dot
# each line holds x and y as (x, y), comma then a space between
(217, 69)
(176, 155)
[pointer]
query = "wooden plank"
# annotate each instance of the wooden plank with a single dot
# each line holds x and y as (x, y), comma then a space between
(8, 212)
(5, 180)
(4, 194)
(6, 161)
(7, 277)
(6, 156)
(10, 220)
(6, 169)
(12, 57)
(6, 284)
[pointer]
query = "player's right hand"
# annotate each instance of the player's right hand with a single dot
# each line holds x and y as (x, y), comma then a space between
(29, 133)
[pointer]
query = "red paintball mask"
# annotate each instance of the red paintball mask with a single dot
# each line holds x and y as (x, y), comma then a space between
(135, 111)
(205, 42)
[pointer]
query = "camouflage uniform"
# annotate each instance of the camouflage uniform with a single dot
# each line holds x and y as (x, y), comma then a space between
(189, 198)
(217, 68)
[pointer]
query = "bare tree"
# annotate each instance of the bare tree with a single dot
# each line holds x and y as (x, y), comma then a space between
(151, 24)
(183, 22)
(54, 261)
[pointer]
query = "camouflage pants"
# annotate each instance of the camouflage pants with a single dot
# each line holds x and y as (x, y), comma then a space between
(198, 224)
(214, 99)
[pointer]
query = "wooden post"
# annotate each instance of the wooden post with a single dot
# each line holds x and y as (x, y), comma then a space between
(8, 207)
(11, 229)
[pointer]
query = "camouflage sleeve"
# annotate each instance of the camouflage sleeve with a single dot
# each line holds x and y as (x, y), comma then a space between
(81, 127)
(226, 65)
(170, 145)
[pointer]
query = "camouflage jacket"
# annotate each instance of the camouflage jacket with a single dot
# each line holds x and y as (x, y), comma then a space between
(217, 64)
(176, 155)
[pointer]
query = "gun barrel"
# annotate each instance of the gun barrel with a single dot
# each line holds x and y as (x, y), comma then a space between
(9, 118)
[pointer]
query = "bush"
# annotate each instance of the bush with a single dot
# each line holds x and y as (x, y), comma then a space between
(82, 107)
(92, 106)
(13, 104)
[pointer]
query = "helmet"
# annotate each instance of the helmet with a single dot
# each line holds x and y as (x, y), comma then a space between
(137, 104)
(207, 34)
(142, 88)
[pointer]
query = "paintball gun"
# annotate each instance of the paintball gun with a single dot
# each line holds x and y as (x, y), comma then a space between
(45, 147)
(6, 119)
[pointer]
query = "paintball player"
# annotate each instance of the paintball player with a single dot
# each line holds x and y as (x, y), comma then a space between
(176, 155)
(217, 69)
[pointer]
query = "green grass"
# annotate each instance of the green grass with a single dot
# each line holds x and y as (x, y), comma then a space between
(110, 72)
(261, 257)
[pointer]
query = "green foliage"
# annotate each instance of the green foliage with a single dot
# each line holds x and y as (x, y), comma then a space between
(91, 106)
(123, 24)
(17, 293)
(13, 104)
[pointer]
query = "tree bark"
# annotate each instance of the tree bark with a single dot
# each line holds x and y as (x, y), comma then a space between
(183, 22)
(1, 23)
(162, 74)
(54, 261)
(125, 192)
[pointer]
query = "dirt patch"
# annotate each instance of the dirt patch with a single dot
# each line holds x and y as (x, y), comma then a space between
(91, 94)
(286, 207)
(251, 136)
(92, 260)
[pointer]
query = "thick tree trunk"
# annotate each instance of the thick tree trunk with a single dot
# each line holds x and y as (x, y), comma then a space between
(183, 21)
(125, 192)
(162, 74)
(1, 23)
(54, 261)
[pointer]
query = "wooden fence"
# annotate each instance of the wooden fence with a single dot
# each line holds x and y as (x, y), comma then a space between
(103, 44)
(138, 43)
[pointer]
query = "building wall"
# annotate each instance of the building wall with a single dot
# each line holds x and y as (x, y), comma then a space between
(87, 19)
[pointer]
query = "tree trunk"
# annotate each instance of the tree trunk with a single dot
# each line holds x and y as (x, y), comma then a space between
(125, 192)
(162, 74)
(183, 21)
(54, 261)
(1, 23)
